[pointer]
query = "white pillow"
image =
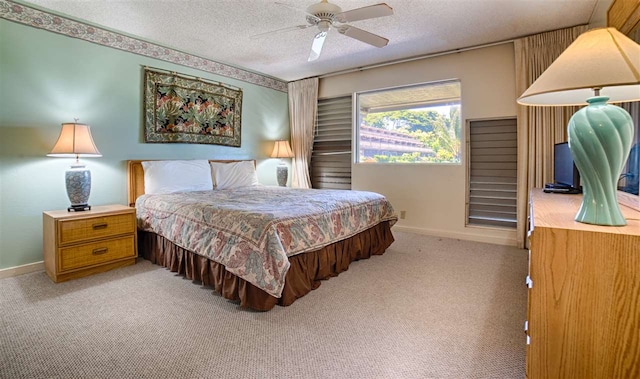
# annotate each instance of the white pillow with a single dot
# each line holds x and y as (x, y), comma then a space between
(235, 174)
(176, 176)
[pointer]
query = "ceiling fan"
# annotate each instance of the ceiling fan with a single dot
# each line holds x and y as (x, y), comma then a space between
(325, 16)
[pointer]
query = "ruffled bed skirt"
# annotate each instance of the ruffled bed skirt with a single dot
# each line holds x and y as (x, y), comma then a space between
(304, 275)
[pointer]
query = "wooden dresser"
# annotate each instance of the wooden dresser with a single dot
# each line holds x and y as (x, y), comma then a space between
(78, 244)
(584, 296)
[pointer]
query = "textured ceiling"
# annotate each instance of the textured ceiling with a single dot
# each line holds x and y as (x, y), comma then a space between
(221, 30)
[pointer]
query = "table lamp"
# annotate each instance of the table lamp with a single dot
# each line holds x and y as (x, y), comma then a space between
(75, 141)
(282, 150)
(600, 66)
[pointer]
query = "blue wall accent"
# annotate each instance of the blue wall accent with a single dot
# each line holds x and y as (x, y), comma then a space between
(47, 79)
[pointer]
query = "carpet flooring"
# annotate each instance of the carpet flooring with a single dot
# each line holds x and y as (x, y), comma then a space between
(428, 308)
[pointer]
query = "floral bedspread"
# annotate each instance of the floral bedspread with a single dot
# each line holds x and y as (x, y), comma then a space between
(252, 230)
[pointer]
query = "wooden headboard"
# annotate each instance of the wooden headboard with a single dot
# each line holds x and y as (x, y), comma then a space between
(135, 177)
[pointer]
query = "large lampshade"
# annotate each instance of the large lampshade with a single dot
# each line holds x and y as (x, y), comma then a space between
(600, 58)
(605, 63)
(281, 149)
(75, 141)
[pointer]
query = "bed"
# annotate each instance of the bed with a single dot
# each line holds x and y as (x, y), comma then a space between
(259, 245)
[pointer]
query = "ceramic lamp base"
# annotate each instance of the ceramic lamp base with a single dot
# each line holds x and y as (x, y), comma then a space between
(78, 181)
(600, 137)
(282, 174)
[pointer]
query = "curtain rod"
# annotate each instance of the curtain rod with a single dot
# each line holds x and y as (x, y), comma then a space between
(432, 55)
(187, 76)
(416, 58)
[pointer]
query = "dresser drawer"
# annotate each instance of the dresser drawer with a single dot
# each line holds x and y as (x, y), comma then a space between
(96, 252)
(96, 227)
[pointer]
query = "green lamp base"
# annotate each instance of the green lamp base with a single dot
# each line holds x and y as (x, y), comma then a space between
(600, 137)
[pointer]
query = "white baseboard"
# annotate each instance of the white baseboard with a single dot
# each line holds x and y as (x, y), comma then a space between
(19, 270)
(467, 236)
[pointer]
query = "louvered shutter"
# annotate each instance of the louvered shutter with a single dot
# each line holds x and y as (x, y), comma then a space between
(331, 157)
(493, 172)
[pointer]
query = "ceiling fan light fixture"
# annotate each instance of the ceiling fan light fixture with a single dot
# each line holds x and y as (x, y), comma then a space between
(324, 10)
(325, 16)
(324, 26)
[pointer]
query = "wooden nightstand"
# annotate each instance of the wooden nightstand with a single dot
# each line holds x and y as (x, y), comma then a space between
(78, 244)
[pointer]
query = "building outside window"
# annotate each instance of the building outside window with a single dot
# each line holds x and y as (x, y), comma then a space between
(412, 124)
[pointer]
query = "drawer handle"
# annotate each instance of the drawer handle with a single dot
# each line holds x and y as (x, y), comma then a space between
(99, 251)
(101, 225)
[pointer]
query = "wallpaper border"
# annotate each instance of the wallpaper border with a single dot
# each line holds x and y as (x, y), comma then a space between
(40, 19)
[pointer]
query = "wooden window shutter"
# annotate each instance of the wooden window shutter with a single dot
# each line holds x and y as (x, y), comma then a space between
(331, 157)
(493, 173)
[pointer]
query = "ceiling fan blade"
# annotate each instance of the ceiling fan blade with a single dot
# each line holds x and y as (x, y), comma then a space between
(311, 18)
(373, 11)
(362, 35)
(283, 30)
(316, 47)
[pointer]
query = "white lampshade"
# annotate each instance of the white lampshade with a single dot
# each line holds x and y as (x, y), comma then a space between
(600, 58)
(75, 140)
(282, 150)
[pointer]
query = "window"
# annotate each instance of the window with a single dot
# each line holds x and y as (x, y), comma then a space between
(331, 156)
(416, 124)
(493, 152)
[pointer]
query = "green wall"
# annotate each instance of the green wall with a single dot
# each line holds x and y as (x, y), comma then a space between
(47, 79)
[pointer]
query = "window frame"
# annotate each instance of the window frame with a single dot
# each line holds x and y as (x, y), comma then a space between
(356, 122)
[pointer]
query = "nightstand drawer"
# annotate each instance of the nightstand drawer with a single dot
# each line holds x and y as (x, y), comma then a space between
(96, 227)
(96, 252)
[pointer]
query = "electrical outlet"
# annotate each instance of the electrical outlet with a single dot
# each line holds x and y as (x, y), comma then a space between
(403, 214)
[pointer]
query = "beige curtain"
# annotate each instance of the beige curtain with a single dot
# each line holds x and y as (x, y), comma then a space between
(634, 107)
(539, 128)
(303, 105)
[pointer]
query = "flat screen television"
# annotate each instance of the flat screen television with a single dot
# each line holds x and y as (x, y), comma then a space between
(630, 177)
(565, 171)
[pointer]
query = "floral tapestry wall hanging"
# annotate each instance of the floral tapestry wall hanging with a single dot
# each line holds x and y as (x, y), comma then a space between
(190, 110)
